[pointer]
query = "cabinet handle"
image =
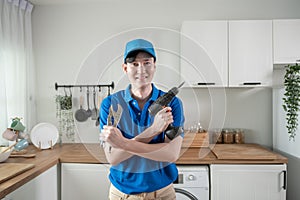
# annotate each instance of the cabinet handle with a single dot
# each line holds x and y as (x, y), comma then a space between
(252, 83)
(206, 83)
(284, 180)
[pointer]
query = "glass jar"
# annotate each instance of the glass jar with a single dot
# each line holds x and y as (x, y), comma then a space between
(239, 136)
(217, 136)
(227, 136)
(200, 128)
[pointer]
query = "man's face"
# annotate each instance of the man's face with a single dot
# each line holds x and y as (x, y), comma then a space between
(141, 71)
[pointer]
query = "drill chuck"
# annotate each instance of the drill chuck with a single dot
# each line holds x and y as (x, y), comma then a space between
(163, 100)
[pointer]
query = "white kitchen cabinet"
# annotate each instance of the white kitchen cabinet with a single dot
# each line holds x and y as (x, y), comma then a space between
(84, 181)
(250, 53)
(204, 57)
(286, 33)
(236, 53)
(248, 182)
(43, 187)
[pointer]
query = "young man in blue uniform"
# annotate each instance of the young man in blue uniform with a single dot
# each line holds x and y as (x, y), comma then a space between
(141, 155)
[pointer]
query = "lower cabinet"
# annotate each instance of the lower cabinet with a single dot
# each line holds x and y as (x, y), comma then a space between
(248, 182)
(84, 181)
(43, 187)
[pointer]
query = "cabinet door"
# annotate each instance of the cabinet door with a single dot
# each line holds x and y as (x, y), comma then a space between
(248, 182)
(286, 35)
(250, 53)
(84, 181)
(204, 53)
(43, 187)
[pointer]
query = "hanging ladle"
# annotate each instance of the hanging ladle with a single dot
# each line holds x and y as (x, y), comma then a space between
(81, 114)
(88, 111)
(95, 110)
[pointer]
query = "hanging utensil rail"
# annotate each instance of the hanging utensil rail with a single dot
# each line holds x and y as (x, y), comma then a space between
(111, 86)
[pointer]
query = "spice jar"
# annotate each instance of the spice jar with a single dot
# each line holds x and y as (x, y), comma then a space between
(239, 136)
(227, 136)
(217, 136)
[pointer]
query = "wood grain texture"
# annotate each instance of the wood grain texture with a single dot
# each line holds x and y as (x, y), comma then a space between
(9, 170)
(192, 140)
(242, 152)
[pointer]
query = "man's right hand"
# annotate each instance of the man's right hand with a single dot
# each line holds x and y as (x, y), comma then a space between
(162, 119)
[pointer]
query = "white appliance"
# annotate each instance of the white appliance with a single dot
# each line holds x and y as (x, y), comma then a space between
(192, 182)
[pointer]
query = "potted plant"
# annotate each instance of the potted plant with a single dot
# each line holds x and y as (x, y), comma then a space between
(291, 99)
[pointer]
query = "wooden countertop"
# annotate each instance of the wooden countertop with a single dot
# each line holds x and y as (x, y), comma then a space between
(92, 153)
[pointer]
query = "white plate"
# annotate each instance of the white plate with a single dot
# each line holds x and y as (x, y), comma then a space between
(43, 135)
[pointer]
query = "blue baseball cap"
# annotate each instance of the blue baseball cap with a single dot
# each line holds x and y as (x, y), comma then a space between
(139, 45)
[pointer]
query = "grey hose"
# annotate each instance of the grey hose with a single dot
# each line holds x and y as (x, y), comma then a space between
(186, 193)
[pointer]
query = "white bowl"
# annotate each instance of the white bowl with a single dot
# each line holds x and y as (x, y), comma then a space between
(4, 156)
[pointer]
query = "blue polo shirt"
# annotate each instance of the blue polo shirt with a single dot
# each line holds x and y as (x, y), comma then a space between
(138, 174)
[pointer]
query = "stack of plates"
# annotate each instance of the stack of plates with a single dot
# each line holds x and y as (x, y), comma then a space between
(44, 135)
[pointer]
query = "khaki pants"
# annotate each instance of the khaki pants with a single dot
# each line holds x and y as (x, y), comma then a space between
(166, 193)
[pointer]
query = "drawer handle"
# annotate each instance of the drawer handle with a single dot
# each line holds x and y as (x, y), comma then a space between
(284, 180)
(252, 83)
(206, 83)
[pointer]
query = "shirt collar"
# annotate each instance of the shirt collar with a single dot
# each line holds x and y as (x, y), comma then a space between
(154, 96)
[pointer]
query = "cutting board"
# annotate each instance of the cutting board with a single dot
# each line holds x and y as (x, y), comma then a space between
(242, 152)
(192, 139)
(9, 170)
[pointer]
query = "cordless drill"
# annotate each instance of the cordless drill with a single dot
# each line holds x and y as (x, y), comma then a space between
(171, 131)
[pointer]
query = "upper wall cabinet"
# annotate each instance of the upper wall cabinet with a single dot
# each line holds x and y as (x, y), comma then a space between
(204, 57)
(286, 35)
(227, 53)
(250, 53)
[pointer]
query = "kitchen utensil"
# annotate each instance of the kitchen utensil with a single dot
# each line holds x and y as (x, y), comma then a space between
(80, 114)
(88, 111)
(10, 134)
(24, 151)
(194, 139)
(32, 155)
(9, 148)
(242, 152)
(22, 144)
(98, 105)
(23, 135)
(17, 125)
(95, 110)
(113, 119)
(5, 152)
(44, 135)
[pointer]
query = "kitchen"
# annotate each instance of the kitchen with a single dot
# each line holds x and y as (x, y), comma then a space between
(65, 35)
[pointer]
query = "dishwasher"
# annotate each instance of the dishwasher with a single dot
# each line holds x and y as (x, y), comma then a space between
(192, 182)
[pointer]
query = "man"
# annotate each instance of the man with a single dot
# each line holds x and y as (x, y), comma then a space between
(142, 157)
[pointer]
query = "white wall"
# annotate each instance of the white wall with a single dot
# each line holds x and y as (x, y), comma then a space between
(65, 34)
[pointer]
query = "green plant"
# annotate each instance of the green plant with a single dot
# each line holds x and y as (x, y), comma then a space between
(64, 114)
(291, 101)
